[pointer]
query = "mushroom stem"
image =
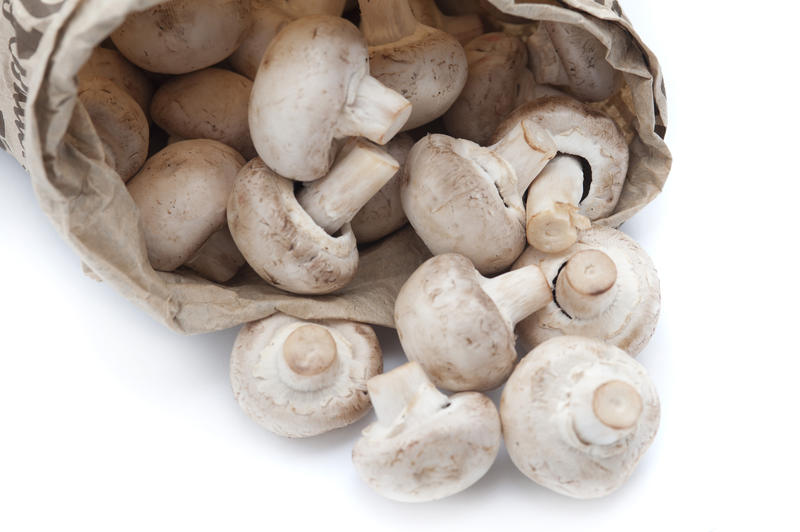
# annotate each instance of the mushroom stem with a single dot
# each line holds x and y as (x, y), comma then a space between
(605, 414)
(552, 207)
(360, 171)
(527, 148)
(519, 293)
(404, 387)
(377, 113)
(386, 21)
(308, 357)
(586, 285)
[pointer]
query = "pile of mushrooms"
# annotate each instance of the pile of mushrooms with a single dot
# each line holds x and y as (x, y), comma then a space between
(266, 137)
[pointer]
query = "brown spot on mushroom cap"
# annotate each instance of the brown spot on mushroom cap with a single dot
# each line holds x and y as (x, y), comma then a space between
(181, 36)
(209, 104)
(297, 414)
(119, 122)
(538, 424)
(638, 299)
(182, 193)
(449, 325)
(280, 240)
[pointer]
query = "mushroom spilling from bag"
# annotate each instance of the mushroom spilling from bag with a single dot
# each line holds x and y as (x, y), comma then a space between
(427, 66)
(314, 87)
(459, 325)
(298, 378)
(111, 65)
(424, 445)
(605, 287)
(304, 243)
(578, 415)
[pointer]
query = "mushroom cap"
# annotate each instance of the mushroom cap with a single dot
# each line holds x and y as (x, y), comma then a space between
(280, 241)
(110, 64)
(436, 446)
(383, 214)
(182, 193)
(581, 131)
(267, 21)
(309, 73)
(219, 259)
(631, 319)
(447, 323)
(429, 68)
(181, 36)
(539, 429)
(120, 123)
(287, 409)
(497, 64)
(208, 104)
(463, 198)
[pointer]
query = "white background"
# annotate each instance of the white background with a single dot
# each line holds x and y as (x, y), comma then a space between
(108, 421)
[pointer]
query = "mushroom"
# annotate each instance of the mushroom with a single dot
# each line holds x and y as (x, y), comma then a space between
(424, 64)
(554, 215)
(182, 193)
(498, 82)
(383, 214)
(570, 57)
(314, 87)
(119, 122)
(209, 104)
(459, 325)
(578, 415)
(463, 198)
(218, 259)
(111, 65)
(301, 378)
(304, 244)
(606, 287)
(268, 18)
(464, 27)
(424, 445)
(181, 36)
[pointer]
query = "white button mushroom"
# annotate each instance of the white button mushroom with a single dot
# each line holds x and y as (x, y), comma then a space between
(209, 104)
(268, 18)
(111, 65)
(463, 27)
(425, 446)
(314, 87)
(578, 415)
(606, 287)
(182, 36)
(182, 193)
(603, 160)
(304, 244)
(424, 64)
(498, 82)
(299, 378)
(383, 214)
(119, 122)
(570, 57)
(463, 198)
(460, 326)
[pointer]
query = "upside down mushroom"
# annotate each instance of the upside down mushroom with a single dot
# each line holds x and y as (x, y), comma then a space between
(606, 287)
(578, 415)
(299, 378)
(424, 445)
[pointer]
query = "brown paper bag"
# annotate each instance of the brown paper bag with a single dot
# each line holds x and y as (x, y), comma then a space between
(50, 134)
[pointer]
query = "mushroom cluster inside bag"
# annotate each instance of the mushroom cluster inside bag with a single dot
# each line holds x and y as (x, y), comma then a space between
(47, 128)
